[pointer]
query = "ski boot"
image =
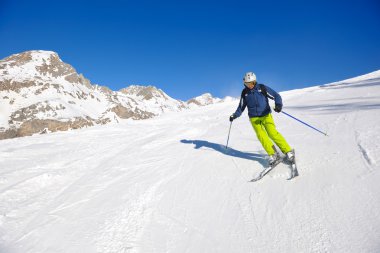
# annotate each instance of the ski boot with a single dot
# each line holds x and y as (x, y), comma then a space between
(291, 159)
(290, 156)
(274, 159)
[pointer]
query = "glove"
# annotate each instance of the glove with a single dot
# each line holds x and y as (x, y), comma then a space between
(232, 117)
(277, 108)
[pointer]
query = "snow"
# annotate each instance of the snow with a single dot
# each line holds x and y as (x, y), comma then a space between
(168, 184)
(366, 77)
(158, 103)
(203, 100)
(28, 69)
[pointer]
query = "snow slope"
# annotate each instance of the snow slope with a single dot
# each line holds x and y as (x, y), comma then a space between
(167, 184)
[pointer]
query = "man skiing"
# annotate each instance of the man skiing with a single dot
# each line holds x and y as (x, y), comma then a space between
(255, 97)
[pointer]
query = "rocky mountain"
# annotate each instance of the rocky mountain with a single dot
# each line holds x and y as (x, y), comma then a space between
(40, 93)
(153, 99)
(207, 99)
(202, 100)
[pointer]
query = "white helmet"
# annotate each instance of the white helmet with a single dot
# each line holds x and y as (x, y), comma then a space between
(249, 77)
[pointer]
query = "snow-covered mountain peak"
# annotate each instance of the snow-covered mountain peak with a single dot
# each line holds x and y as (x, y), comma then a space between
(30, 60)
(204, 99)
(33, 68)
(207, 95)
(146, 92)
(36, 56)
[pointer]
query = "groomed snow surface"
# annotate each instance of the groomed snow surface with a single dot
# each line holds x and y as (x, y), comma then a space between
(169, 185)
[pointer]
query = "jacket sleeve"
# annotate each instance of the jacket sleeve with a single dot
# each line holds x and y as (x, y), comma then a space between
(242, 104)
(277, 97)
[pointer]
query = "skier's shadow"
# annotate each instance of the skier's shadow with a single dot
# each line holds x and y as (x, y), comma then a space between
(230, 151)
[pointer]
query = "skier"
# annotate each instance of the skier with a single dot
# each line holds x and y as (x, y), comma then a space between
(255, 97)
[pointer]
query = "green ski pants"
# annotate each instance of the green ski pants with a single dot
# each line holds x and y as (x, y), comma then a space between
(265, 131)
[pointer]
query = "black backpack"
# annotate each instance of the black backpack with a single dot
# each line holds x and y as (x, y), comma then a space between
(262, 89)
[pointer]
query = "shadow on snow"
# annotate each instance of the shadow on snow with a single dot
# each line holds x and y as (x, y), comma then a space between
(230, 151)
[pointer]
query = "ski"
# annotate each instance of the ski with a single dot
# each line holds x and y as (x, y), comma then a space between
(293, 172)
(266, 171)
(293, 167)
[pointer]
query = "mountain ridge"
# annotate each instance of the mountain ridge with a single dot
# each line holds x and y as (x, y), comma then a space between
(41, 93)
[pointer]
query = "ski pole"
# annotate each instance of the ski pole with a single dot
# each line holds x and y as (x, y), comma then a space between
(304, 123)
(229, 135)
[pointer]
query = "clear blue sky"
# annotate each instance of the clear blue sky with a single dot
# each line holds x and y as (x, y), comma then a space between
(187, 48)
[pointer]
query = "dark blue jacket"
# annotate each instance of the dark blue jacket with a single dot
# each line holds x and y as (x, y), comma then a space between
(256, 101)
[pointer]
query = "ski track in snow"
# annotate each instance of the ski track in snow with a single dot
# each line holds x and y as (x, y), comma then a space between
(169, 185)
